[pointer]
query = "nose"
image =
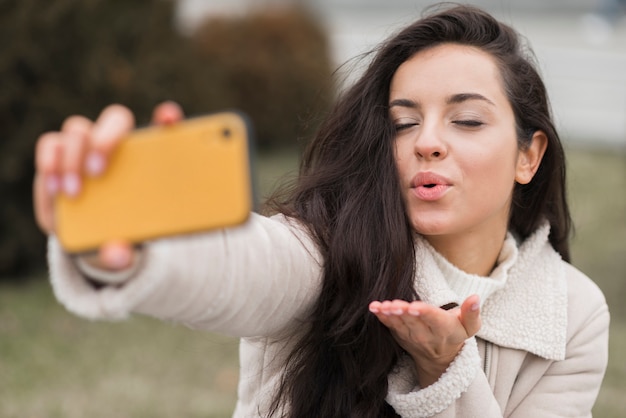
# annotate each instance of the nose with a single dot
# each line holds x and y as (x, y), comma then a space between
(429, 145)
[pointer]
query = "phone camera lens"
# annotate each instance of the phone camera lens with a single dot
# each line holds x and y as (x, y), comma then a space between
(226, 133)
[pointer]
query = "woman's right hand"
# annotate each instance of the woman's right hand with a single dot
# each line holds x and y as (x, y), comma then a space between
(82, 148)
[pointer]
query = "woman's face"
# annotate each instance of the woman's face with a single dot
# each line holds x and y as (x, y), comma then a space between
(455, 146)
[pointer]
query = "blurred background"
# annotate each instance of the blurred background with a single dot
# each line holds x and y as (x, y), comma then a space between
(282, 62)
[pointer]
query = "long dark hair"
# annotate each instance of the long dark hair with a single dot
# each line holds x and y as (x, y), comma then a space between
(348, 195)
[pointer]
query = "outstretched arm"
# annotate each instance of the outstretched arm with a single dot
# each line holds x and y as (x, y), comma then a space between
(246, 281)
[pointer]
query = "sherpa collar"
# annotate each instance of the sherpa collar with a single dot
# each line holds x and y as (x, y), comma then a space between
(529, 313)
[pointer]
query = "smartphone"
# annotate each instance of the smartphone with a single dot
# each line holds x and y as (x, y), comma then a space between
(191, 176)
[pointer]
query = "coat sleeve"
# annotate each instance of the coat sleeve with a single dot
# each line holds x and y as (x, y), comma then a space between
(462, 391)
(247, 281)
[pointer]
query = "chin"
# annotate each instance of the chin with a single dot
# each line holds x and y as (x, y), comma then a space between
(431, 228)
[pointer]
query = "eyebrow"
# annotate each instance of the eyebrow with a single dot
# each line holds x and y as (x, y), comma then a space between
(464, 97)
(404, 103)
(454, 99)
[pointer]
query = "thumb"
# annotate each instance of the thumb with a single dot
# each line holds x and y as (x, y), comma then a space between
(116, 255)
(470, 315)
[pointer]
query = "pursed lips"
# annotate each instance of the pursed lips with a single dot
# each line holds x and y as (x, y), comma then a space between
(430, 186)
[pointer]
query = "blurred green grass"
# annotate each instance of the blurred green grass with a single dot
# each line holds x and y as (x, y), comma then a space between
(53, 364)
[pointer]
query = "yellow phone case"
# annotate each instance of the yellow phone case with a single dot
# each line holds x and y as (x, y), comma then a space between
(164, 180)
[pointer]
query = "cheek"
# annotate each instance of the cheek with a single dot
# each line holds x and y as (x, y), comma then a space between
(401, 159)
(493, 174)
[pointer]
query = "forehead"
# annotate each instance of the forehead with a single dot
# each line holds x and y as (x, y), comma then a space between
(448, 69)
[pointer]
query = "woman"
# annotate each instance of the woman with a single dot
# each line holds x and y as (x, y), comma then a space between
(418, 266)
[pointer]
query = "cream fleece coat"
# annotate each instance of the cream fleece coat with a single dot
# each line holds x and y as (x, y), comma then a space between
(541, 352)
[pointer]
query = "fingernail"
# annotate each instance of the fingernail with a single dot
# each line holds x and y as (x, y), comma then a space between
(53, 184)
(374, 310)
(71, 184)
(475, 307)
(398, 311)
(414, 312)
(94, 164)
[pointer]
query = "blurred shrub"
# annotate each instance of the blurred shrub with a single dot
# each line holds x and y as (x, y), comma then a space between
(273, 64)
(76, 56)
(62, 57)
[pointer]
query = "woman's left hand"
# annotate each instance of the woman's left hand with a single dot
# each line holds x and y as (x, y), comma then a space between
(432, 336)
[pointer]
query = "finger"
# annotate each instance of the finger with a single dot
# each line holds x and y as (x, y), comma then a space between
(44, 204)
(382, 310)
(470, 315)
(374, 307)
(46, 183)
(412, 318)
(92, 162)
(106, 133)
(434, 318)
(74, 148)
(167, 113)
(414, 308)
(77, 124)
(112, 125)
(395, 307)
(116, 255)
(48, 160)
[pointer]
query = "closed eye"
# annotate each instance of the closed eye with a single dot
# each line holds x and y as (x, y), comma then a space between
(468, 123)
(403, 126)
